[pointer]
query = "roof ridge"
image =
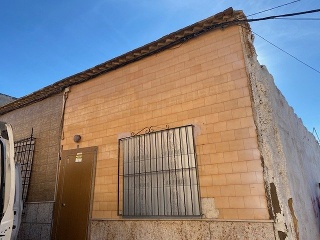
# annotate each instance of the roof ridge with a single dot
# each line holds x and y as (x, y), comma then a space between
(219, 20)
(5, 95)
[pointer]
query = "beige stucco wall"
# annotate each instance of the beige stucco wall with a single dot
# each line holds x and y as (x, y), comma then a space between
(291, 156)
(201, 82)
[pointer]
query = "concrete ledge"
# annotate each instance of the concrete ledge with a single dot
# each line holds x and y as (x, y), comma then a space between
(181, 219)
(168, 229)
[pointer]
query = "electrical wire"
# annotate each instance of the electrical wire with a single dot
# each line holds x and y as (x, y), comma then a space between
(239, 21)
(316, 70)
(301, 19)
(315, 132)
(277, 16)
(288, 53)
(273, 8)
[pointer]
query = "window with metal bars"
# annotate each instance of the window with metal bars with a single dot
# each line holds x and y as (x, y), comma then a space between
(23, 152)
(158, 174)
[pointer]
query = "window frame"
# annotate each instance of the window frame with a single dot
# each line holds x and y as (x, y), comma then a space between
(187, 187)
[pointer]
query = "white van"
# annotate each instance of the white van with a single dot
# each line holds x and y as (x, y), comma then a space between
(10, 186)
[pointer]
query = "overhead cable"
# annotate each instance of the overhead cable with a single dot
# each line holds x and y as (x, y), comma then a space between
(316, 134)
(300, 19)
(316, 70)
(239, 21)
(277, 16)
(287, 53)
(273, 8)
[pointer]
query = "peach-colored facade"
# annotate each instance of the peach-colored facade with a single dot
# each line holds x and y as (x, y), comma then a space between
(201, 82)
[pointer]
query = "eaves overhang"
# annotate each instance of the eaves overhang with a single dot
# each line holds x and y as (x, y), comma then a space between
(221, 20)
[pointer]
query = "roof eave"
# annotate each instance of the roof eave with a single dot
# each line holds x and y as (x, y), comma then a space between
(220, 20)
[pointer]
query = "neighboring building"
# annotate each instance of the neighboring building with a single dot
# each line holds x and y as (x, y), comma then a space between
(4, 99)
(184, 138)
(37, 134)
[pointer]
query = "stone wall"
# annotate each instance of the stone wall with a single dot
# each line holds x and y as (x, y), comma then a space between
(180, 230)
(291, 156)
(36, 221)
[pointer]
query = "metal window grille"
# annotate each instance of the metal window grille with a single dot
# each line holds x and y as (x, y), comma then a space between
(158, 174)
(23, 152)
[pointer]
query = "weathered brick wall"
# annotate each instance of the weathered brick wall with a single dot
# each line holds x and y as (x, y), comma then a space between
(44, 117)
(201, 82)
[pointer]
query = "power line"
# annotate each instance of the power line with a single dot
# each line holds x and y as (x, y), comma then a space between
(287, 53)
(301, 19)
(277, 16)
(274, 8)
(239, 21)
(283, 50)
(316, 134)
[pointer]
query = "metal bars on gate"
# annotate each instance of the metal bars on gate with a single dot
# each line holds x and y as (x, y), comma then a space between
(158, 174)
(23, 152)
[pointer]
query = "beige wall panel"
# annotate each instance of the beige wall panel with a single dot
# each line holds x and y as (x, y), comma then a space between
(201, 82)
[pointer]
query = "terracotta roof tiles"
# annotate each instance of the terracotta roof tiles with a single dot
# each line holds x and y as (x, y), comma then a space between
(222, 19)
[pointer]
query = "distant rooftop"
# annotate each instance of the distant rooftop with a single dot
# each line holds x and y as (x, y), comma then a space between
(4, 99)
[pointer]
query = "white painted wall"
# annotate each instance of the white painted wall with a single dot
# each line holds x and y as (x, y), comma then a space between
(290, 153)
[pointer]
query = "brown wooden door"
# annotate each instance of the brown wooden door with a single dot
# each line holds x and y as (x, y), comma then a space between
(73, 204)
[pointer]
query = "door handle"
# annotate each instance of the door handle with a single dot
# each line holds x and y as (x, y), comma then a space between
(63, 204)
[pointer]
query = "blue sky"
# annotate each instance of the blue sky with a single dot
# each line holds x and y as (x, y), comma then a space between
(42, 42)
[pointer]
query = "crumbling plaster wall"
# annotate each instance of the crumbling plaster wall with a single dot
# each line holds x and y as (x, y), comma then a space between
(291, 155)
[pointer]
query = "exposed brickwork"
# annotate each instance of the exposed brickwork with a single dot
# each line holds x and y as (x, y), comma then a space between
(44, 117)
(201, 82)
